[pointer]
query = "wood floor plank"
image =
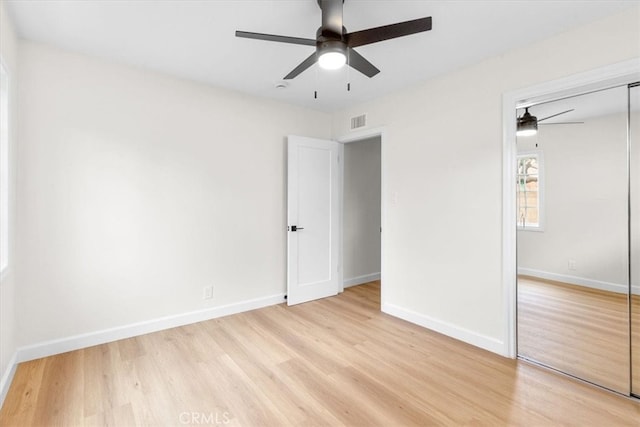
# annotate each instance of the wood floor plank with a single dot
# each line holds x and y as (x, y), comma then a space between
(26, 389)
(60, 400)
(336, 361)
(578, 330)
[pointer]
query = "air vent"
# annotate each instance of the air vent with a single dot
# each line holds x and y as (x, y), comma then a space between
(358, 121)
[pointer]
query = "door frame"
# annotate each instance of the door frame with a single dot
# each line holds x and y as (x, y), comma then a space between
(598, 79)
(355, 136)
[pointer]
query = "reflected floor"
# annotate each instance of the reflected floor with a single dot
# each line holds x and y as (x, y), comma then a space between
(578, 330)
(635, 344)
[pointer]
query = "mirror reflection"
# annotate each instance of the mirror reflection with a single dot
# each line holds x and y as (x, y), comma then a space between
(634, 150)
(573, 237)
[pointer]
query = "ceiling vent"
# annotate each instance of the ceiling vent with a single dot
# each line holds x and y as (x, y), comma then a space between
(358, 122)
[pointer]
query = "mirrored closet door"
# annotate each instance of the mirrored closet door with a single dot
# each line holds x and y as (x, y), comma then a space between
(634, 151)
(573, 237)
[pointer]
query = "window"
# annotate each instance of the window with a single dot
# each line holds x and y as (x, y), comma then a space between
(529, 189)
(4, 169)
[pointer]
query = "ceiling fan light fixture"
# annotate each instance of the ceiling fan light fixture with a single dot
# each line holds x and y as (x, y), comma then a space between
(526, 132)
(527, 125)
(332, 60)
(332, 55)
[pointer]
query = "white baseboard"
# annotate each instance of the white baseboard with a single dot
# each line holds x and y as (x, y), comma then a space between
(359, 280)
(76, 342)
(7, 377)
(575, 280)
(470, 337)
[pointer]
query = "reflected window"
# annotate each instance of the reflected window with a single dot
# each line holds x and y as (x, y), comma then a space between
(529, 188)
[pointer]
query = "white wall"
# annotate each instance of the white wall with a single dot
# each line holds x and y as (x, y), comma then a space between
(585, 203)
(136, 190)
(361, 245)
(8, 53)
(443, 177)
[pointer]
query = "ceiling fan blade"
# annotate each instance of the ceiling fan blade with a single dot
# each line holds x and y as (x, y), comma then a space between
(303, 66)
(555, 115)
(359, 63)
(562, 123)
(332, 15)
(386, 32)
(276, 38)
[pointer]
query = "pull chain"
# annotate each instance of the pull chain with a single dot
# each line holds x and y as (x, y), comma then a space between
(315, 92)
(348, 71)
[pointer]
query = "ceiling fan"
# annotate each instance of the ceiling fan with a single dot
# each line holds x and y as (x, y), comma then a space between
(334, 45)
(528, 124)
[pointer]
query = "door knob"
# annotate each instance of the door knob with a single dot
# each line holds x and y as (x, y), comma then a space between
(296, 228)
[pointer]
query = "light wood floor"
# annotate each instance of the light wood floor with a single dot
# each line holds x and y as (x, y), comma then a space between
(578, 330)
(635, 343)
(337, 361)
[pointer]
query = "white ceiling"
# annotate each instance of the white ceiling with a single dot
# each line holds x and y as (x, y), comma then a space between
(194, 39)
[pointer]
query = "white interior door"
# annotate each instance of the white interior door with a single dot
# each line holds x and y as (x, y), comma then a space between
(313, 212)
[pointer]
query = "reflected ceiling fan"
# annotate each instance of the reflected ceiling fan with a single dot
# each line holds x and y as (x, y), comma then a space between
(528, 124)
(334, 45)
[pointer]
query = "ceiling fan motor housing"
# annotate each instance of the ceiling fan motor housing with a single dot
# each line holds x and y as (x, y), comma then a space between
(331, 46)
(527, 124)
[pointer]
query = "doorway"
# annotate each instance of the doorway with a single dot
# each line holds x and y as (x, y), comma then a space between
(361, 211)
(362, 219)
(622, 75)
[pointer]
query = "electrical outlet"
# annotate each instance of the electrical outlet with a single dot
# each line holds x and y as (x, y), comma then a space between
(207, 292)
(572, 264)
